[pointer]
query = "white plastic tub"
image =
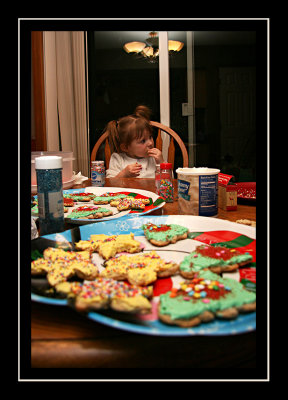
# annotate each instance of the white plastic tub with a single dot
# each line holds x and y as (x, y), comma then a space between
(198, 191)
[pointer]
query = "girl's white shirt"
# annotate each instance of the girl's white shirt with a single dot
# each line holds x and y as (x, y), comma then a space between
(119, 161)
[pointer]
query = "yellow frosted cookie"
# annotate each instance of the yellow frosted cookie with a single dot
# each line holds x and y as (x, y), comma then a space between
(139, 269)
(59, 265)
(109, 246)
(103, 293)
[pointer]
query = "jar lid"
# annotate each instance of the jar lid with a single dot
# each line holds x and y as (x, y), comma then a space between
(48, 162)
(166, 165)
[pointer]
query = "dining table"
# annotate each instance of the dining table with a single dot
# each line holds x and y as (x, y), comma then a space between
(63, 339)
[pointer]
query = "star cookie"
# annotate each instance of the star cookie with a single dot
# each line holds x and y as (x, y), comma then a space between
(59, 265)
(109, 246)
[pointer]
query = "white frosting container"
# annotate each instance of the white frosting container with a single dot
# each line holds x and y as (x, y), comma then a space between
(198, 191)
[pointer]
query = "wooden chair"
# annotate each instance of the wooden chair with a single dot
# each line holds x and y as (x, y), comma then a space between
(158, 144)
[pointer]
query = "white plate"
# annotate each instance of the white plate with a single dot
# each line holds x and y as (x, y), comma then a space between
(116, 214)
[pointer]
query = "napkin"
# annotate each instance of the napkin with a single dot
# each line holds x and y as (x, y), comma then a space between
(78, 178)
(34, 231)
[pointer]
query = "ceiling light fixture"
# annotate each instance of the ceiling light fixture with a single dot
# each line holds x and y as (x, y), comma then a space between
(150, 49)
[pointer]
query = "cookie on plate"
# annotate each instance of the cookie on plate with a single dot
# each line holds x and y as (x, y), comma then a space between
(164, 234)
(106, 198)
(105, 293)
(85, 197)
(248, 222)
(59, 265)
(203, 299)
(217, 259)
(130, 203)
(89, 212)
(68, 202)
(139, 269)
(109, 246)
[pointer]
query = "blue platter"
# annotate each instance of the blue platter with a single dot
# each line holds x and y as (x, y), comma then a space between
(150, 325)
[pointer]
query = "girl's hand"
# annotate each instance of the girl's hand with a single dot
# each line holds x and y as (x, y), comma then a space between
(156, 154)
(132, 170)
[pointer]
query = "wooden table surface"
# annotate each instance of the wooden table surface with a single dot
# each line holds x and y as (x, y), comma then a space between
(62, 338)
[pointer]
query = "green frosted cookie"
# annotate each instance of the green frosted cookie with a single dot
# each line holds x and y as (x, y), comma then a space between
(162, 235)
(215, 258)
(204, 298)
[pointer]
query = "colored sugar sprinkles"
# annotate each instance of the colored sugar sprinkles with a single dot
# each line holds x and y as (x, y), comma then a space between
(216, 258)
(166, 190)
(162, 235)
(166, 182)
(203, 299)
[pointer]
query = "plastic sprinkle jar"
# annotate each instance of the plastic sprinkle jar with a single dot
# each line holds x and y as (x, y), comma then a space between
(166, 182)
(50, 194)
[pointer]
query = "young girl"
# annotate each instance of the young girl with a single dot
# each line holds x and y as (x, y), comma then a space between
(131, 141)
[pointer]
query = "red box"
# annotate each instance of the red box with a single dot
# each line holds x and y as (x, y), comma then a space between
(227, 192)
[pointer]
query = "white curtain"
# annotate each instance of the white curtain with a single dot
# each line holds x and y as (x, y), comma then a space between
(64, 54)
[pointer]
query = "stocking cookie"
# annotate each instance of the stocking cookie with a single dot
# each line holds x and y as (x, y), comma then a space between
(162, 235)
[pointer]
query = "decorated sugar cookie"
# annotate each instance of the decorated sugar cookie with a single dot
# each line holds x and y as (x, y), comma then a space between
(163, 234)
(215, 258)
(85, 197)
(90, 212)
(109, 246)
(68, 202)
(139, 269)
(59, 265)
(105, 293)
(204, 298)
(106, 198)
(131, 203)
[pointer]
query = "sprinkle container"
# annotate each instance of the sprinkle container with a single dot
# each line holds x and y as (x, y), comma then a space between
(97, 173)
(50, 194)
(166, 182)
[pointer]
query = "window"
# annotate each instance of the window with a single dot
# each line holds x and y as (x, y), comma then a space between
(212, 92)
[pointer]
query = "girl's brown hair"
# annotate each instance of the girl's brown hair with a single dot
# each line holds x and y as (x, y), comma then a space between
(128, 128)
